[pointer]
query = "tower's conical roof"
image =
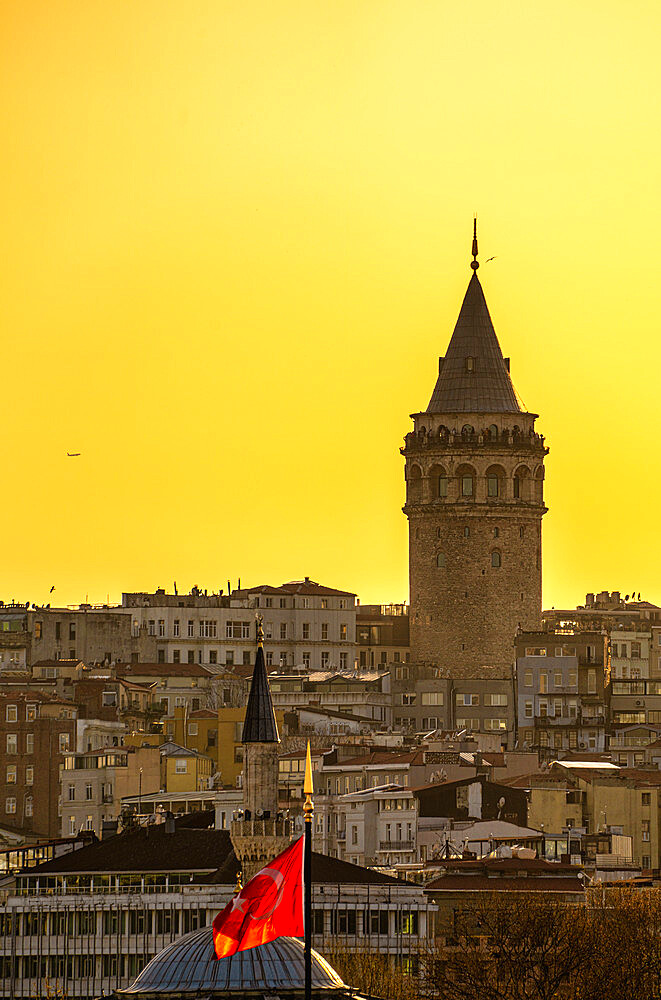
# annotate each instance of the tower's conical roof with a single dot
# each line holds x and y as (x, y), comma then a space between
(473, 376)
(260, 725)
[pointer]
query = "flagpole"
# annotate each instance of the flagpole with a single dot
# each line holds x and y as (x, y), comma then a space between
(308, 810)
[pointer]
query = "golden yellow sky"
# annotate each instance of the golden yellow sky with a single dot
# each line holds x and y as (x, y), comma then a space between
(235, 239)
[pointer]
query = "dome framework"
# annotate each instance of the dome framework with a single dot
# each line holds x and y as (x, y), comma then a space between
(189, 968)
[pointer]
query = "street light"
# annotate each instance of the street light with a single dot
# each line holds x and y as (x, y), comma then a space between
(140, 792)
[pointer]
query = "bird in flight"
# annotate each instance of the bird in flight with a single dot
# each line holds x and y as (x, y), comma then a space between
(52, 589)
(73, 454)
(488, 259)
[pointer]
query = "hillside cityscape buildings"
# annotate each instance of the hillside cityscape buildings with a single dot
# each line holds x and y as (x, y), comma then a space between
(153, 750)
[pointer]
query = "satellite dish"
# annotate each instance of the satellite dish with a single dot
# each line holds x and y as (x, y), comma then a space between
(259, 813)
(501, 801)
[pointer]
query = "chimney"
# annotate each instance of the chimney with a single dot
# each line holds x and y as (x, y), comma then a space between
(170, 825)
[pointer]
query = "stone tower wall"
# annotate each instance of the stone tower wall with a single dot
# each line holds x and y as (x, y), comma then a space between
(465, 610)
(260, 778)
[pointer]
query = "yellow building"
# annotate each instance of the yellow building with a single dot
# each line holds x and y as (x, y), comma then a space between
(184, 770)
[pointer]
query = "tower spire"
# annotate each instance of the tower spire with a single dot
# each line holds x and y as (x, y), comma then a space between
(474, 263)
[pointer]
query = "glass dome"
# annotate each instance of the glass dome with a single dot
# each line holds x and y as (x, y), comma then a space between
(189, 965)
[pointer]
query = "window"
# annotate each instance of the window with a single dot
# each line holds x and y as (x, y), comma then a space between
(152, 627)
(11, 774)
(343, 631)
(467, 486)
(88, 791)
(161, 626)
(213, 656)
(31, 713)
(527, 709)
(72, 631)
(646, 829)
(192, 728)
(592, 681)
(572, 678)
(557, 679)
(58, 631)
(12, 743)
(495, 700)
(64, 742)
(191, 628)
(324, 631)
(344, 658)
(238, 630)
(496, 559)
(72, 825)
(207, 628)
(29, 775)
(269, 658)
(190, 656)
(325, 660)
(38, 630)
(268, 602)
(496, 532)
(283, 630)
(10, 805)
(29, 743)
(180, 766)
(109, 699)
(467, 532)
(527, 678)
(646, 798)
(306, 660)
(408, 698)
(468, 699)
(28, 805)
(306, 630)
(494, 725)
(492, 486)
(175, 628)
(432, 698)
(12, 713)
(176, 656)
(440, 560)
(72, 793)
(517, 488)
(543, 708)
(543, 682)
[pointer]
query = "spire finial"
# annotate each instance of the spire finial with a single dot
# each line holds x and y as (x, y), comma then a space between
(474, 262)
(260, 630)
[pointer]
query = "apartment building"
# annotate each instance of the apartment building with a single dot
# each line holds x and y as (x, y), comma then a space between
(373, 826)
(563, 689)
(94, 782)
(307, 626)
(365, 694)
(36, 732)
(382, 634)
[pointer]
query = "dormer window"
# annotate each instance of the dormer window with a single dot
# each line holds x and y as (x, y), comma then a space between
(470, 364)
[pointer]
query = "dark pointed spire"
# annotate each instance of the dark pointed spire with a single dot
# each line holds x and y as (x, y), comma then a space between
(259, 725)
(473, 376)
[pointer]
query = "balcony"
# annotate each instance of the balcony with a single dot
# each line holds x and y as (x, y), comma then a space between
(396, 845)
(341, 835)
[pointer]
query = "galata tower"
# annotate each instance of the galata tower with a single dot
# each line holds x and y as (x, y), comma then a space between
(475, 502)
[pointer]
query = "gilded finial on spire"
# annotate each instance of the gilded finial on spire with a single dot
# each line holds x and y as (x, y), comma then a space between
(238, 887)
(308, 787)
(260, 630)
(474, 262)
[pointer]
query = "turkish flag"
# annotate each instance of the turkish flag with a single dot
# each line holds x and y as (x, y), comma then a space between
(268, 907)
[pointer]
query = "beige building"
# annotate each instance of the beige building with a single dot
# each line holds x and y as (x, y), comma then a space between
(94, 783)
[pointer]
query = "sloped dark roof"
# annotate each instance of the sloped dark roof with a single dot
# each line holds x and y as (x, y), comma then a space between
(260, 725)
(325, 871)
(148, 849)
(488, 387)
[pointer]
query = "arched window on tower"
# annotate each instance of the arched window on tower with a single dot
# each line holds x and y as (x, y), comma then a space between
(439, 482)
(521, 483)
(466, 478)
(496, 560)
(470, 364)
(440, 560)
(495, 477)
(467, 431)
(415, 484)
(493, 432)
